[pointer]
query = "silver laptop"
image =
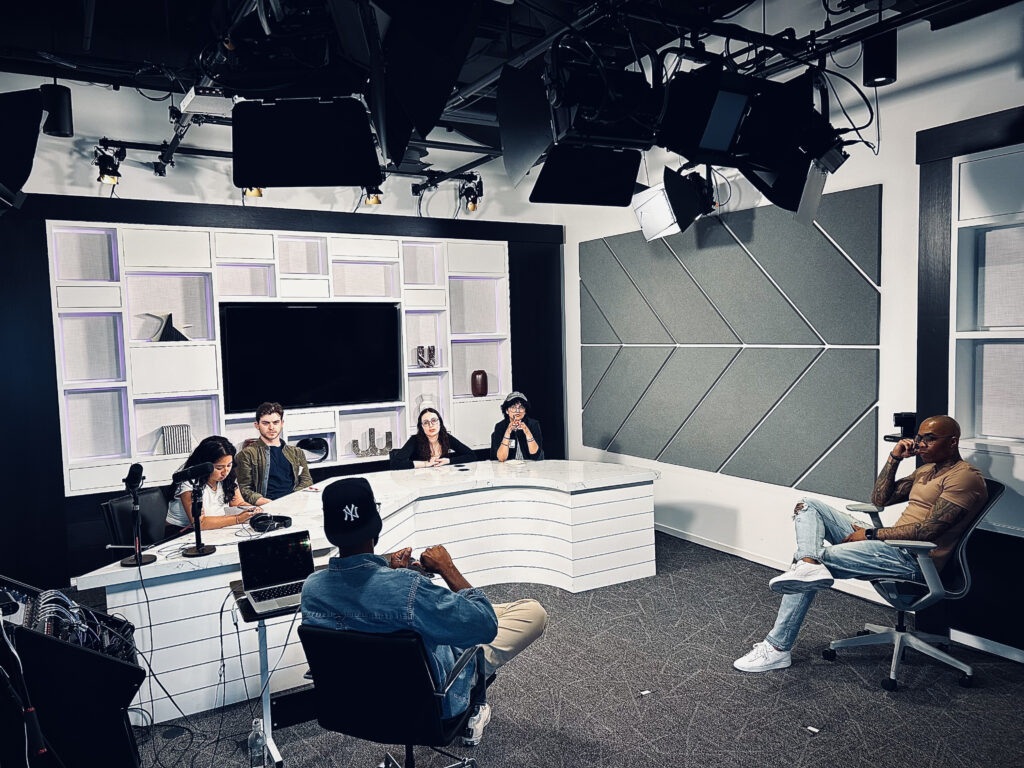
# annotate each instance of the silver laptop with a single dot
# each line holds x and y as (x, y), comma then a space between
(274, 569)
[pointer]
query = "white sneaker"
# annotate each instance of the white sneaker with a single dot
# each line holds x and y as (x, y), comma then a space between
(475, 726)
(802, 577)
(762, 658)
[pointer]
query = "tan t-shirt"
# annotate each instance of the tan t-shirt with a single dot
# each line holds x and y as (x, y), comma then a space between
(960, 484)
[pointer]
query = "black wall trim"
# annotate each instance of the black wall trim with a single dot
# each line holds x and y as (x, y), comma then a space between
(48, 538)
(1000, 129)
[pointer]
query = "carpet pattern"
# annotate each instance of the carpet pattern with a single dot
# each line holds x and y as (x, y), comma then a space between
(640, 674)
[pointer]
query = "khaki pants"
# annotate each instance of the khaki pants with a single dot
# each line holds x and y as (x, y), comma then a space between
(519, 624)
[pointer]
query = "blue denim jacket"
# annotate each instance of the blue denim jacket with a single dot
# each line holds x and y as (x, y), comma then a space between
(362, 593)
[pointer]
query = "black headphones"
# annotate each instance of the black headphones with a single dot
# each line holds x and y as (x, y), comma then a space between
(262, 522)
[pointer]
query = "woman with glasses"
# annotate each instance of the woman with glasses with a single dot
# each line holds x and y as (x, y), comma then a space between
(431, 446)
(517, 436)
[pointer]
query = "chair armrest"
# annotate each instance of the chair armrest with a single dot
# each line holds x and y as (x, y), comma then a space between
(460, 664)
(873, 510)
(910, 546)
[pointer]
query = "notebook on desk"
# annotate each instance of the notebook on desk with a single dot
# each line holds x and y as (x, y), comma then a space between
(274, 569)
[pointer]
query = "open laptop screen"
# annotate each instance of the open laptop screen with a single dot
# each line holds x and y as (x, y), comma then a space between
(275, 560)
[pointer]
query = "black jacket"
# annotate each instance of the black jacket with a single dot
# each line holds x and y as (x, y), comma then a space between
(458, 453)
(524, 452)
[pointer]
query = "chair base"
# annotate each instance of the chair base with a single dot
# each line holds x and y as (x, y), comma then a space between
(391, 762)
(919, 641)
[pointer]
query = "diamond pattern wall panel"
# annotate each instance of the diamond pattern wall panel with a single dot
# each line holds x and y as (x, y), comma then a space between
(630, 316)
(671, 293)
(680, 385)
(836, 391)
(754, 307)
(758, 337)
(751, 386)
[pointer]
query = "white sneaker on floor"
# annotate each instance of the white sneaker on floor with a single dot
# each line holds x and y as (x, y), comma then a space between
(802, 577)
(475, 726)
(762, 658)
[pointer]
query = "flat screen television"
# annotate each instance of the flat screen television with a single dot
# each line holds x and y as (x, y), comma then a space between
(306, 354)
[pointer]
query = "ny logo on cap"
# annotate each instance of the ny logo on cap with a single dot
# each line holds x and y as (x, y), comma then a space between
(351, 512)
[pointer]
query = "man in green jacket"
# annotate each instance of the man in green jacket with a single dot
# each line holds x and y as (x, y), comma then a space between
(269, 468)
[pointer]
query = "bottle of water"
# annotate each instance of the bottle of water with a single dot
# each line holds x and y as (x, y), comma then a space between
(257, 745)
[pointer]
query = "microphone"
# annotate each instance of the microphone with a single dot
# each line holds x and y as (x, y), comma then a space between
(134, 479)
(197, 472)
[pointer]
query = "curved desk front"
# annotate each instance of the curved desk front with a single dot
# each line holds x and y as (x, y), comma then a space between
(569, 524)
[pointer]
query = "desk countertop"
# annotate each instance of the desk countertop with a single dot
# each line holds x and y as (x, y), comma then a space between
(395, 490)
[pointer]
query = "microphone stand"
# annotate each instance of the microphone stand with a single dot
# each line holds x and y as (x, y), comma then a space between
(200, 549)
(137, 560)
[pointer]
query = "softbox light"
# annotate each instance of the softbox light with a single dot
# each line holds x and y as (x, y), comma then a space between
(19, 133)
(524, 119)
(673, 205)
(303, 144)
(587, 176)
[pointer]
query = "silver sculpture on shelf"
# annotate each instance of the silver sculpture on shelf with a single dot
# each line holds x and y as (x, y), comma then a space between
(371, 448)
(426, 357)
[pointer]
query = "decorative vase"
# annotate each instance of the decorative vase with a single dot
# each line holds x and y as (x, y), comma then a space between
(478, 383)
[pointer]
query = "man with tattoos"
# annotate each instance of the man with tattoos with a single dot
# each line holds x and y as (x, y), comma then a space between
(945, 494)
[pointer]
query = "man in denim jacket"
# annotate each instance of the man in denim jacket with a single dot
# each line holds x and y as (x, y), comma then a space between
(365, 592)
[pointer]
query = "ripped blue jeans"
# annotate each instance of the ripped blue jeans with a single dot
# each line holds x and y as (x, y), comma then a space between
(815, 524)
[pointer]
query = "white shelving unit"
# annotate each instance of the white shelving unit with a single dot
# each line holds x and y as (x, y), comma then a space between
(111, 285)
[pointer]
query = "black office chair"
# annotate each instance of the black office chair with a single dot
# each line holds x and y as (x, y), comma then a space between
(117, 514)
(379, 687)
(905, 595)
(392, 458)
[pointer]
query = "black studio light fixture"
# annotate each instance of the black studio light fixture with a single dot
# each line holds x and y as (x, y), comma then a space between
(471, 190)
(372, 194)
(57, 105)
(672, 206)
(109, 163)
(879, 65)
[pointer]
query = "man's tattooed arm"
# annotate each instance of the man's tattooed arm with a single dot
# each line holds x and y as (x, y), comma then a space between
(887, 490)
(943, 515)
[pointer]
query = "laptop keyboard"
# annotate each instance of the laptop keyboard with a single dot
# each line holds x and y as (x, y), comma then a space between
(274, 593)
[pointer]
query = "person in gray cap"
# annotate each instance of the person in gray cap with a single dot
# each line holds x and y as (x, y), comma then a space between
(366, 592)
(516, 436)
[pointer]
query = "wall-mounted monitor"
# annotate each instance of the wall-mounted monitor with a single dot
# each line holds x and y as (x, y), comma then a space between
(308, 354)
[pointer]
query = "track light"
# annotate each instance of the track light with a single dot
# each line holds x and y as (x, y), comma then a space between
(372, 194)
(57, 104)
(879, 66)
(471, 190)
(252, 192)
(109, 163)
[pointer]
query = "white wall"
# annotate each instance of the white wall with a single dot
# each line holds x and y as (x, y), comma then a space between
(968, 70)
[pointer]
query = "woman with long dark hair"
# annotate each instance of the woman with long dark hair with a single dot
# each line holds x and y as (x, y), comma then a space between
(431, 446)
(222, 503)
(517, 436)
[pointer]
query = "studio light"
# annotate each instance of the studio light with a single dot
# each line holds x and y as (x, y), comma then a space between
(109, 163)
(371, 195)
(471, 190)
(879, 66)
(673, 205)
(57, 105)
(252, 192)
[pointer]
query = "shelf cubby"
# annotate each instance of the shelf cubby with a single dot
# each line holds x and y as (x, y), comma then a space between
(92, 347)
(81, 253)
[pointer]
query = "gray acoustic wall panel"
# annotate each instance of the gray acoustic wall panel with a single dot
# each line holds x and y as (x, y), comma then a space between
(853, 218)
(620, 389)
(680, 385)
(669, 290)
(621, 303)
(754, 383)
(834, 297)
(594, 364)
(835, 392)
(846, 471)
(756, 310)
(594, 328)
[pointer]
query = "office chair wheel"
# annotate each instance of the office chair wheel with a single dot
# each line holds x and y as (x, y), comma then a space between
(890, 685)
(966, 681)
(828, 654)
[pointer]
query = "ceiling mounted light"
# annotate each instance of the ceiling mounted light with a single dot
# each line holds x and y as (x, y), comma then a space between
(109, 163)
(253, 192)
(673, 205)
(471, 190)
(879, 66)
(372, 195)
(57, 105)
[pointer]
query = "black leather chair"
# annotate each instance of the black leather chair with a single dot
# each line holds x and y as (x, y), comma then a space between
(117, 514)
(379, 687)
(904, 596)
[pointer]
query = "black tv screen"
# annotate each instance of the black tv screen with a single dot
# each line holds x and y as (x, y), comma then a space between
(305, 354)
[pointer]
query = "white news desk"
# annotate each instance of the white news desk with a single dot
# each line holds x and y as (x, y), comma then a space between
(569, 524)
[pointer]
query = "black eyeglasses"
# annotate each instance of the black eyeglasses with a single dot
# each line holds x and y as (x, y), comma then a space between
(928, 439)
(431, 422)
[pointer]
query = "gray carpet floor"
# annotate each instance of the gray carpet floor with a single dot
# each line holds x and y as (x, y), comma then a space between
(640, 674)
